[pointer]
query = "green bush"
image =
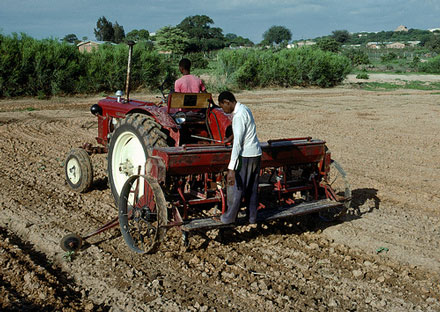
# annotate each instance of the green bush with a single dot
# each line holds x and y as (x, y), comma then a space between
(32, 67)
(299, 67)
(362, 76)
(198, 60)
(47, 67)
(389, 57)
(357, 56)
(329, 44)
(432, 66)
(415, 62)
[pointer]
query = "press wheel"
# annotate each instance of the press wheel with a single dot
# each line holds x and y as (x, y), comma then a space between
(338, 189)
(142, 214)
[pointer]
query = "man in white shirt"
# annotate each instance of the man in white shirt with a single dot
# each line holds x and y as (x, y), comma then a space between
(244, 166)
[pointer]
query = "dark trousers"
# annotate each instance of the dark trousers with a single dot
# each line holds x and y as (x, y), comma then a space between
(246, 185)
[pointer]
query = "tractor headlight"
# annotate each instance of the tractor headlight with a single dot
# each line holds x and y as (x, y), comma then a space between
(96, 109)
(180, 118)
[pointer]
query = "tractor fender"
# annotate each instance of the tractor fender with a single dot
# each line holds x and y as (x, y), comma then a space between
(160, 115)
(219, 122)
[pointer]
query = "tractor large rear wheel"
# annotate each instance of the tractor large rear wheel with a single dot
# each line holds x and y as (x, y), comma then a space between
(128, 149)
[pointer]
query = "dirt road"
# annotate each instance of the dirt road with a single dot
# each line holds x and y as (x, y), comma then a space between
(385, 256)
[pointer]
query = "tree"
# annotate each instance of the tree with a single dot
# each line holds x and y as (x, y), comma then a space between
(341, 36)
(138, 35)
(202, 37)
(357, 56)
(328, 44)
(71, 38)
(237, 41)
(172, 39)
(104, 30)
(118, 33)
(277, 34)
(424, 39)
(433, 43)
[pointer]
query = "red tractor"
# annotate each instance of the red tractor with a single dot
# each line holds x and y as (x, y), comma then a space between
(167, 164)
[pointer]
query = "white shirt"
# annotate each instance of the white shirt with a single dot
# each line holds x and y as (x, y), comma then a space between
(245, 143)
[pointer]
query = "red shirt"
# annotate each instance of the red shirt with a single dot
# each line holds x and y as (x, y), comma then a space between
(189, 84)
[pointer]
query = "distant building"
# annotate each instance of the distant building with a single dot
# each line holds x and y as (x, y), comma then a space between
(413, 43)
(395, 45)
(305, 43)
(373, 45)
(434, 29)
(89, 45)
(401, 28)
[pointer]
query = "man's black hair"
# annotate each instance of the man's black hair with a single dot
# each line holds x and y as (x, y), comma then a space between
(185, 64)
(226, 95)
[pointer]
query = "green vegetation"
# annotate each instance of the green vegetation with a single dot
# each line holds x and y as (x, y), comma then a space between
(71, 38)
(408, 60)
(357, 56)
(341, 36)
(328, 44)
(138, 35)
(43, 68)
(421, 47)
(47, 67)
(432, 66)
(68, 256)
(344, 37)
(386, 86)
(192, 34)
(172, 39)
(300, 67)
(201, 36)
(362, 76)
(277, 35)
(232, 40)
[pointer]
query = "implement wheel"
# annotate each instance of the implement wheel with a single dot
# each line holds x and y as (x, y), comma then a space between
(71, 242)
(142, 214)
(338, 189)
(128, 149)
(78, 169)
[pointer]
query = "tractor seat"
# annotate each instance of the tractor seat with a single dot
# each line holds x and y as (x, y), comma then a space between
(188, 101)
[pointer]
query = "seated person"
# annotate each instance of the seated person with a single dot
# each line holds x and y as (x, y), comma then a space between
(188, 83)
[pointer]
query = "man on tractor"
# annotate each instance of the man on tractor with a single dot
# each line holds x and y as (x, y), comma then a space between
(244, 165)
(188, 83)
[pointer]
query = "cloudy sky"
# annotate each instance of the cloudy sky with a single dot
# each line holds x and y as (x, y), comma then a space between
(247, 18)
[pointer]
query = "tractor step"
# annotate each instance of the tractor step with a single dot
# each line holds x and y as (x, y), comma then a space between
(263, 215)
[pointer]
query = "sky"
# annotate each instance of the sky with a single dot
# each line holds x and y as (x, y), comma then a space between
(248, 18)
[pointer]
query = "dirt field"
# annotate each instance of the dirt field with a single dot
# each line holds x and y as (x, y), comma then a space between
(385, 255)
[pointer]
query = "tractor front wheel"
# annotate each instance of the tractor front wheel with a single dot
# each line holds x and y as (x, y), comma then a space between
(78, 169)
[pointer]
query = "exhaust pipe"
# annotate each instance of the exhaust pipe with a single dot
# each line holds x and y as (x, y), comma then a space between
(130, 44)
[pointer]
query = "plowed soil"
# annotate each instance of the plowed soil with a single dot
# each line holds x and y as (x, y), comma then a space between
(384, 256)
